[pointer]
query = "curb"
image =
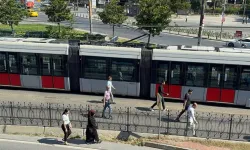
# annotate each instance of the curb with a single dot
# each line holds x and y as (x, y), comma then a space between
(163, 146)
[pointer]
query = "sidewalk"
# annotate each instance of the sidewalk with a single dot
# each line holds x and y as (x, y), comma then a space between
(80, 99)
(72, 143)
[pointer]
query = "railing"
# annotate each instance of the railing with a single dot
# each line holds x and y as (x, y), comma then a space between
(210, 125)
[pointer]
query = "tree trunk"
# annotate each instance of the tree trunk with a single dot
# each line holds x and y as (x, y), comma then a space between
(149, 36)
(214, 7)
(59, 29)
(113, 30)
(12, 29)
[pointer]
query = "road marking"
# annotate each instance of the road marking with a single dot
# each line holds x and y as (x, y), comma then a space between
(53, 145)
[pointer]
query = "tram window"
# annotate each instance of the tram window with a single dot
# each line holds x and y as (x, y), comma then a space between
(46, 65)
(195, 75)
(95, 68)
(230, 77)
(13, 63)
(59, 65)
(29, 64)
(215, 75)
(162, 72)
(3, 67)
(123, 70)
(175, 74)
(245, 79)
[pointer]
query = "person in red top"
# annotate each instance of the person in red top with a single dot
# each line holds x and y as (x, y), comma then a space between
(161, 92)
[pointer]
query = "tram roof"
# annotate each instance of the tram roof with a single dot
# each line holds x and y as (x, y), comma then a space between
(108, 51)
(203, 54)
(32, 45)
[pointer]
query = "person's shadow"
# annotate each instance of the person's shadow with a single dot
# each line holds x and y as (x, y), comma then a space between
(53, 141)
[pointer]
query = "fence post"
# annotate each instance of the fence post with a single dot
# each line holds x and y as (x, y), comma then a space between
(168, 122)
(50, 116)
(186, 131)
(230, 127)
(11, 113)
(128, 119)
(159, 129)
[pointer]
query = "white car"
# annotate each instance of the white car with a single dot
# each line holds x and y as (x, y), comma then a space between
(244, 43)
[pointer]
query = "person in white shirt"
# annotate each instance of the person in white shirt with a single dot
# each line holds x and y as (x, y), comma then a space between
(66, 126)
(191, 117)
(110, 85)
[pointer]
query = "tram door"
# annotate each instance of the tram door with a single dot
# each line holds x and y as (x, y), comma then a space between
(53, 71)
(221, 83)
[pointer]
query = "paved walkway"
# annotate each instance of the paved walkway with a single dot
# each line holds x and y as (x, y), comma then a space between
(74, 144)
(65, 98)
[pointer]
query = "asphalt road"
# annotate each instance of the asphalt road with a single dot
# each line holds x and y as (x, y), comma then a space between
(21, 145)
(126, 32)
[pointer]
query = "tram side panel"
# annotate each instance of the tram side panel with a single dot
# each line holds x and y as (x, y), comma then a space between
(98, 63)
(34, 65)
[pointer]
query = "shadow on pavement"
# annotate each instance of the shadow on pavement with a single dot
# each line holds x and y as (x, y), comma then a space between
(124, 136)
(53, 141)
(247, 138)
(50, 141)
(143, 108)
(95, 101)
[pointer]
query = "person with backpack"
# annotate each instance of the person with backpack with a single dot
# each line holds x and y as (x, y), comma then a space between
(186, 104)
(106, 102)
(66, 126)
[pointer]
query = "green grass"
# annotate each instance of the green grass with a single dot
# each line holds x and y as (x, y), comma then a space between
(25, 27)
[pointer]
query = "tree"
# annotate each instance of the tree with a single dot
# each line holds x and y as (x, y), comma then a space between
(154, 16)
(113, 14)
(195, 5)
(58, 11)
(11, 13)
(175, 5)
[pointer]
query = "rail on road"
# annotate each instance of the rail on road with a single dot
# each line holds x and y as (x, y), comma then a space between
(138, 119)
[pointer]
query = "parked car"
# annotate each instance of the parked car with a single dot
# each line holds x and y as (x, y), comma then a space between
(244, 43)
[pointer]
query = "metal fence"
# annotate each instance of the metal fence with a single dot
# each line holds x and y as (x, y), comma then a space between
(211, 125)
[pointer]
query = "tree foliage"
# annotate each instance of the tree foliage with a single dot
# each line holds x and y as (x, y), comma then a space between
(11, 13)
(57, 11)
(154, 16)
(175, 5)
(195, 5)
(113, 14)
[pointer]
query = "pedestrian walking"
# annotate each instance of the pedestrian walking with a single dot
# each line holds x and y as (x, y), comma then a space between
(187, 102)
(106, 102)
(161, 93)
(191, 118)
(66, 126)
(91, 131)
(110, 85)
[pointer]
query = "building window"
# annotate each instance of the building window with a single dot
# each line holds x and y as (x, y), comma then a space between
(29, 64)
(95, 68)
(195, 75)
(123, 70)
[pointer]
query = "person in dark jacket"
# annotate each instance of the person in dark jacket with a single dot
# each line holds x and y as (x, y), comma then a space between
(91, 132)
(186, 104)
(161, 92)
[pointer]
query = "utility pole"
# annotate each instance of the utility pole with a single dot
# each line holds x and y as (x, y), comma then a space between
(244, 12)
(222, 17)
(90, 16)
(201, 22)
